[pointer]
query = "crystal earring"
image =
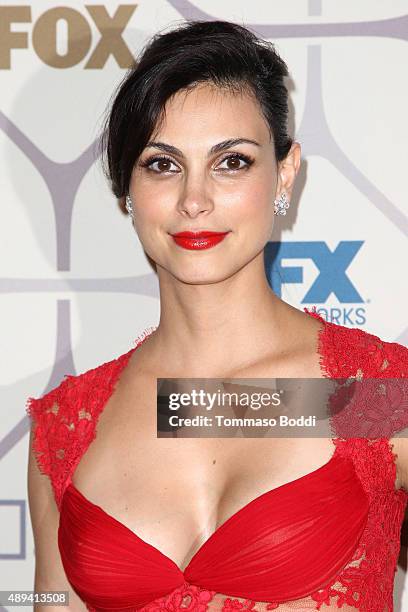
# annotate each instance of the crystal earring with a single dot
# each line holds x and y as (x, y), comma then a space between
(128, 205)
(281, 205)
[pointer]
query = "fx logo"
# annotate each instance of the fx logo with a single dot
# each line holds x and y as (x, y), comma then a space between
(332, 266)
(76, 34)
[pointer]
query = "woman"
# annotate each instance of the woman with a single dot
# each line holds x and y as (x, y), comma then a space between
(196, 142)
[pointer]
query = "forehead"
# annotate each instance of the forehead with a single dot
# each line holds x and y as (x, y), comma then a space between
(210, 111)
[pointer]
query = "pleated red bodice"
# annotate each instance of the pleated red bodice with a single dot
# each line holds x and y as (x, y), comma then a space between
(281, 546)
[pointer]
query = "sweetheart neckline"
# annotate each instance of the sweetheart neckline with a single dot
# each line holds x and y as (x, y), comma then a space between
(121, 362)
(216, 533)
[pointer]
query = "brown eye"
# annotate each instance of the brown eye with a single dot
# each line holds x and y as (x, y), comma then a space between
(159, 165)
(163, 165)
(234, 162)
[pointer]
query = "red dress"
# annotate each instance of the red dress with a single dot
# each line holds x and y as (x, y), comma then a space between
(329, 540)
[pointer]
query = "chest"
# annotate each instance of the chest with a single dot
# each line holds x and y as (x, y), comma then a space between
(174, 493)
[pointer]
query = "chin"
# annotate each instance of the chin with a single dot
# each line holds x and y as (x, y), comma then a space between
(199, 279)
(204, 276)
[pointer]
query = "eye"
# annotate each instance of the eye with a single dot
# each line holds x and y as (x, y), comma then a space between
(163, 164)
(234, 160)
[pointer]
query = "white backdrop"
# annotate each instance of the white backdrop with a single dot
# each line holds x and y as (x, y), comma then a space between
(76, 287)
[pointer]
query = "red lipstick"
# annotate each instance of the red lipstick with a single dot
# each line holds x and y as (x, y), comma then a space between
(198, 240)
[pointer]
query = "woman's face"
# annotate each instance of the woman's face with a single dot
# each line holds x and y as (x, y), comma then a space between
(230, 189)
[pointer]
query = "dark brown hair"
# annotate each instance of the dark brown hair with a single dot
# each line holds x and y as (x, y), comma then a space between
(223, 53)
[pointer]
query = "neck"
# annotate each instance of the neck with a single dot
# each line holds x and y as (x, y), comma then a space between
(228, 324)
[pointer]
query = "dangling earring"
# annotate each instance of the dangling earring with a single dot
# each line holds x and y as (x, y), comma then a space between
(128, 205)
(281, 205)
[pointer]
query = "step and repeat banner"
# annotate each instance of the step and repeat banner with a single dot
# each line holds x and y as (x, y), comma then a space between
(76, 287)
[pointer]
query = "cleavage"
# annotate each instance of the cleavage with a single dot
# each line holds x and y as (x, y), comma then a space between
(174, 502)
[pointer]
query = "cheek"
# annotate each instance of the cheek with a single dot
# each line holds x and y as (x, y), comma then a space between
(255, 195)
(152, 201)
(146, 200)
(151, 220)
(255, 205)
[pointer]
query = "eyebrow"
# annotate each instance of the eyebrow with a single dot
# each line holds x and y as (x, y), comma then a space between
(220, 146)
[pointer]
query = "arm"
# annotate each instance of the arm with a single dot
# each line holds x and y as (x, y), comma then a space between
(400, 447)
(44, 514)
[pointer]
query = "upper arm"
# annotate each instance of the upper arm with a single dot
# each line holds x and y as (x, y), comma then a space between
(400, 448)
(44, 514)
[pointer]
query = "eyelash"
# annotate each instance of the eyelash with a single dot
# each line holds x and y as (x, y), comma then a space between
(246, 158)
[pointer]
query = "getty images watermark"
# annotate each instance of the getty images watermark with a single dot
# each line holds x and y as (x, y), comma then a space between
(255, 401)
(284, 407)
(189, 407)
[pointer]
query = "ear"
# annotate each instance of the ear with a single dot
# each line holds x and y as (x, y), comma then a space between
(287, 171)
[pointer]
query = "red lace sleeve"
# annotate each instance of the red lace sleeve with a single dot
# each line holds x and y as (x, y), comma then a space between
(354, 352)
(35, 410)
(372, 398)
(52, 426)
(395, 360)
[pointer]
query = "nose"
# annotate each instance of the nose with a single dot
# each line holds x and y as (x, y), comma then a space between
(195, 199)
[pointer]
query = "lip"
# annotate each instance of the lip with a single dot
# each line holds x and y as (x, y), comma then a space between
(198, 240)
